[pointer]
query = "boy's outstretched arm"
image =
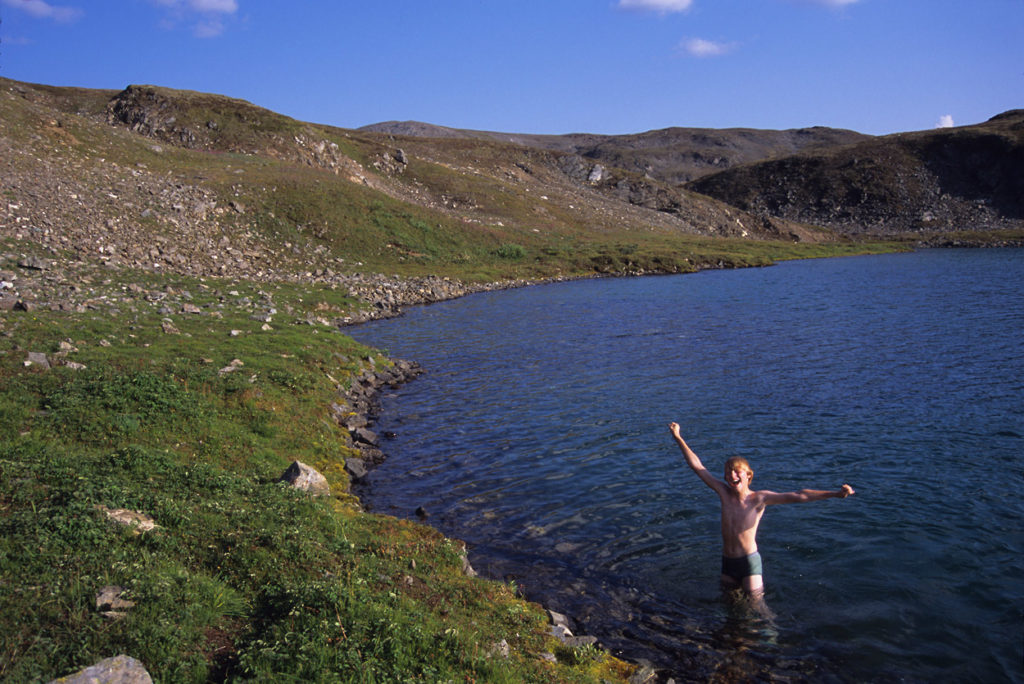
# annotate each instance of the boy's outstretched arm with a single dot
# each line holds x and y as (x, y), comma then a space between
(805, 495)
(694, 462)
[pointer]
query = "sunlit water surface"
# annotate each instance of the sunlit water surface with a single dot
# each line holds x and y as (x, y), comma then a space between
(539, 435)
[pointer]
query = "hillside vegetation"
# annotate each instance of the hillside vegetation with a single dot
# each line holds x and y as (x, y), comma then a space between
(175, 269)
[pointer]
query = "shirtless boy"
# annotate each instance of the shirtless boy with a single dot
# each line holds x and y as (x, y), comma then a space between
(742, 509)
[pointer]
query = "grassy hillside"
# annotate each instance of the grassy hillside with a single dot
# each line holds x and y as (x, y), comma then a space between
(243, 577)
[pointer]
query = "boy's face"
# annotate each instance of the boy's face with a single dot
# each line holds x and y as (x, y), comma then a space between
(737, 477)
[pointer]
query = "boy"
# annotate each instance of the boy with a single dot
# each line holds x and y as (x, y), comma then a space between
(742, 509)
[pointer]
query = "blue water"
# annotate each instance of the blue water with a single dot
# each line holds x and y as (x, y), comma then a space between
(539, 436)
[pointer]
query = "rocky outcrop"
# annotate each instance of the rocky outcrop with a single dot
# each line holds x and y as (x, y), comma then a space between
(969, 178)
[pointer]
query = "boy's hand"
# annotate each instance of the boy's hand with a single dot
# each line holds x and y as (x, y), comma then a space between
(846, 491)
(674, 427)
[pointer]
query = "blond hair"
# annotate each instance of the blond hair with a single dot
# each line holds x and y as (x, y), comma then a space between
(741, 462)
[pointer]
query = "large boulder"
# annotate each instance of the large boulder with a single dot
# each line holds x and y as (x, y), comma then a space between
(120, 669)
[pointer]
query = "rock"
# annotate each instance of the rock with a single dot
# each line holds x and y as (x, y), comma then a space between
(34, 263)
(500, 650)
(354, 421)
(120, 669)
(231, 367)
(355, 468)
(110, 604)
(168, 327)
(560, 632)
(302, 476)
(467, 569)
(560, 620)
(365, 436)
(139, 522)
(38, 359)
(579, 641)
(645, 675)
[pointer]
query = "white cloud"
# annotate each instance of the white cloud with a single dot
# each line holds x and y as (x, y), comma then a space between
(660, 6)
(205, 16)
(44, 10)
(832, 3)
(699, 47)
(945, 121)
(201, 6)
(224, 6)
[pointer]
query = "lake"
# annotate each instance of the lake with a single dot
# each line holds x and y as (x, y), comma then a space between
(539, 436)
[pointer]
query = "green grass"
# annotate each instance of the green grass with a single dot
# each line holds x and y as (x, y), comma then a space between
(244, 578)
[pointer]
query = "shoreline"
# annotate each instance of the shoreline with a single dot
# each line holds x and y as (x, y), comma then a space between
(620, 653)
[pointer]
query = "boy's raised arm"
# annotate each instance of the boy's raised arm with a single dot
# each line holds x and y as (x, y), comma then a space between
(805, 495)
(694, 462)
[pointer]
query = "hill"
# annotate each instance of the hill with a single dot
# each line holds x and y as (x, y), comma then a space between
(671, 155)
(921, 183)
(203, 184)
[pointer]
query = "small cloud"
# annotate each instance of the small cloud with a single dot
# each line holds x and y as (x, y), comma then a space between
(209, 22)
(223, 6)
(699, 47)
(210, 28)
(831, 3)
(659, 6)
(44, 10)
(945, 121)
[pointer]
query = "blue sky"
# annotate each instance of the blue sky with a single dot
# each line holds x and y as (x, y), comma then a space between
(546, 66)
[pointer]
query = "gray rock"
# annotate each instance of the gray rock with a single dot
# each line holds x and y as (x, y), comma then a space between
(302, 476)
(355, 468)
(645, 675)
(109, 598)
(120, 669)
(500, 650)
(365, 436)
(139, 522)
(34, 263)
(38, 359)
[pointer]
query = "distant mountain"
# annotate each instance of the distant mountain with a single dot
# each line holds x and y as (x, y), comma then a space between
(670, 155)
(965, 178)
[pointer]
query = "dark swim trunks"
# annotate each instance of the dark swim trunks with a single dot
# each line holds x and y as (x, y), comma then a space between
(738, 568)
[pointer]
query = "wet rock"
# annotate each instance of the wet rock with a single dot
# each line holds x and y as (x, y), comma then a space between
(356, 468)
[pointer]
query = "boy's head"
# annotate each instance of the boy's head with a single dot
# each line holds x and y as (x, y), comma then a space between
(738, 462)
